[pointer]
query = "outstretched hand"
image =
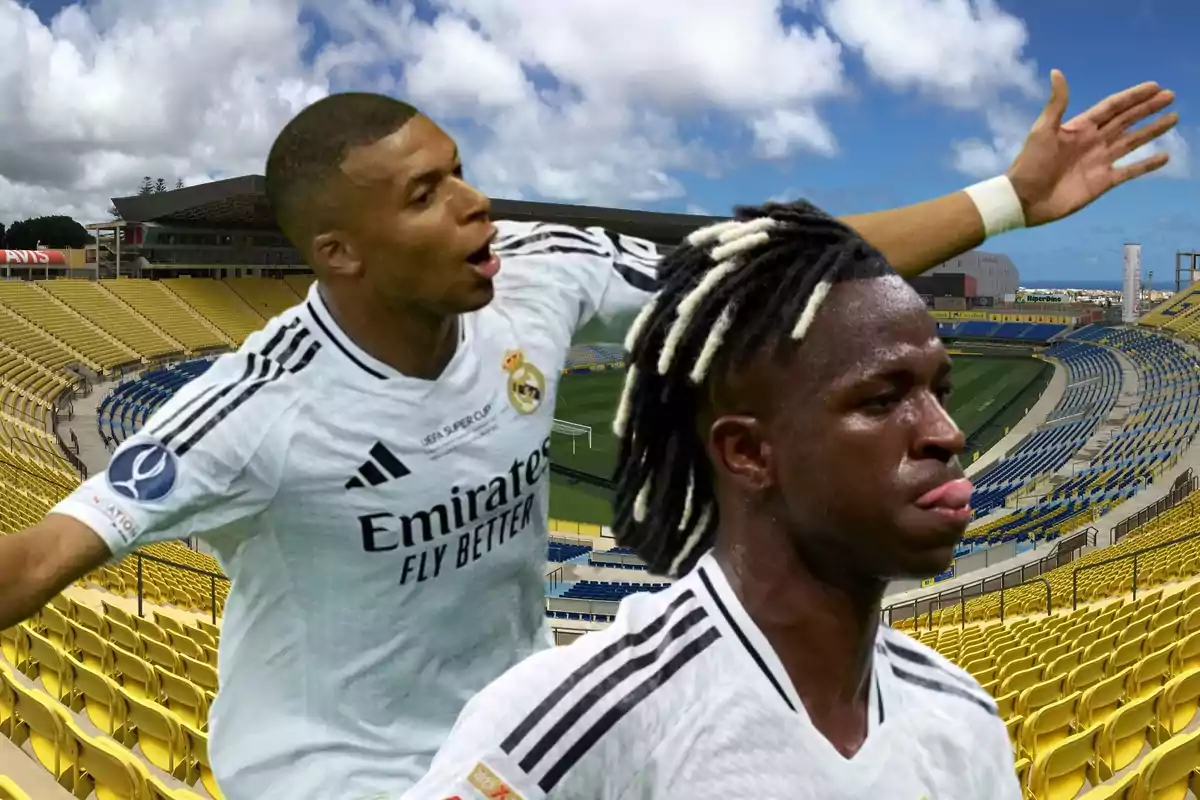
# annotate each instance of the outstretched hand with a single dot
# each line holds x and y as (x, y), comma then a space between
(1063, 167)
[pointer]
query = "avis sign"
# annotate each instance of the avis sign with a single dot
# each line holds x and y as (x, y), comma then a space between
(33, 258)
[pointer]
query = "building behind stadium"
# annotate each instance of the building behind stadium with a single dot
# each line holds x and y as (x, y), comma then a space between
(225, 229)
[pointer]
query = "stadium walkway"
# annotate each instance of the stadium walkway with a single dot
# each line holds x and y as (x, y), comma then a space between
(1028, 423)
(91, 447)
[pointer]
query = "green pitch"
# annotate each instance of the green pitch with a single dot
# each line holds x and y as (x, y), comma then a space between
(983, 388)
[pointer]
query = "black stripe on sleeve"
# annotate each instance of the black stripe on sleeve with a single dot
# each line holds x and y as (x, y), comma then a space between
(247, 375)
(272, 372)
(625, 705)
(626, 642)
(630, 668)
(758, 659)
(922, 659)
(944, 688)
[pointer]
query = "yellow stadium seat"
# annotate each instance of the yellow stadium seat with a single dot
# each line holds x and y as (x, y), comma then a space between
(115, 612)
(51, 666)
(1099, 701)
(39, 721)
(159, 654)
(1124, 735)
(1121, 789)
(92, 649)
(1127, 653)
(14, 645)
(184, 698)
(52, 624)
(101, 699)
(104, 768)
(10, 791)
(137, 677)
(8, 701)
(1169, 771)
(198, 745)
(1062, 770)
(1149, 674)
(159, 735)
(1046, 727)
(1177, 704)
(199, 673)
(1087, 674)
(124, 637)
(1186, 654)
(184, 645)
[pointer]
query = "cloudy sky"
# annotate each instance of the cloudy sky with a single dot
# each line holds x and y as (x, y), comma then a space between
(656, 104)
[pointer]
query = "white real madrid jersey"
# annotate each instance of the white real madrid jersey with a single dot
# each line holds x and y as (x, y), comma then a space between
(682, 697)
(386, 536)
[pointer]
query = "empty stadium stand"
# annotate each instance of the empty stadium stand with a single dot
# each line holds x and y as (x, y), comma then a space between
(124, 410)
(1180, 314)
(219, 304)
(170, 314)
(1010, 331)
(1149, 440)
(1103, 693)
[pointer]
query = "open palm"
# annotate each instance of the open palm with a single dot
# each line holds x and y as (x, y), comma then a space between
(1063, 167)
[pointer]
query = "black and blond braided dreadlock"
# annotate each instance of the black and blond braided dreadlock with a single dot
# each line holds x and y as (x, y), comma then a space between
(727, 293)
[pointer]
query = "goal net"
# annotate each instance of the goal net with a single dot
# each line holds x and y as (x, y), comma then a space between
(574, 430)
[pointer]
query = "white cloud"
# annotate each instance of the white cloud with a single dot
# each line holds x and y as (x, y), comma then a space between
(595, 101)
(1173, 143)
(963, 53)
(104, 95)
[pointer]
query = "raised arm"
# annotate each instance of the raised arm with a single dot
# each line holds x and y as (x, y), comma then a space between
(196, 467)
(1061, 168)
(38, 563)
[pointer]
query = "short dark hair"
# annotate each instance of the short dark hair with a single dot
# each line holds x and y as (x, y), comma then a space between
(311, 147)
(729, 293)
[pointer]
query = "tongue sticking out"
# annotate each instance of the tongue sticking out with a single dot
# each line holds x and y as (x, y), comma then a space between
(485, 262)
(951, 494)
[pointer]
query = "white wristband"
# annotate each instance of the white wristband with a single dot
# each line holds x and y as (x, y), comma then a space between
(998, 204)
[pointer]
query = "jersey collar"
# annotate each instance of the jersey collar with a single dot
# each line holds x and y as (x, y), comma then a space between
(713, 585)
(715, 588)
(352, 355)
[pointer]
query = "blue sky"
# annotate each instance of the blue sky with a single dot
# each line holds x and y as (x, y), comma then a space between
(672, 105)
(893, 145)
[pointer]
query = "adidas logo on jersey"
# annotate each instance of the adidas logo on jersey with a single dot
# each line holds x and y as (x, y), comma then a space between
(372, 471)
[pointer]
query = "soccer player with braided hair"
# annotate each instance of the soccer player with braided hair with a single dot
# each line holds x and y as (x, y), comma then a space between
(785, 451)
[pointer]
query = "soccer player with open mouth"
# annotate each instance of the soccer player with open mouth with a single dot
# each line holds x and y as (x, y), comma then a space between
(370, 469)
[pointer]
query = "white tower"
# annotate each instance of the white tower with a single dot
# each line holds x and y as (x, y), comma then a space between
(1133, 278)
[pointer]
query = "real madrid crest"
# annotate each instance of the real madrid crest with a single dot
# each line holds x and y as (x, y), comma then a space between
(526, 383)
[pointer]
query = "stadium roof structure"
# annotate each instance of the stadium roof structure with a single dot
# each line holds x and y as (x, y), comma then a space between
(242, 203)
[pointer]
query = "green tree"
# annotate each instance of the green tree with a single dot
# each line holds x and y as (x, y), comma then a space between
(179, 183)
(147, 186)
(160, 185)
(53, 232)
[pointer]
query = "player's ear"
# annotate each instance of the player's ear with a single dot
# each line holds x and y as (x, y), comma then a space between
(738, 446)
(335, 253)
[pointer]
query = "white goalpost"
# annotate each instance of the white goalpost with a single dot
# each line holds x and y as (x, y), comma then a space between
(574, 430)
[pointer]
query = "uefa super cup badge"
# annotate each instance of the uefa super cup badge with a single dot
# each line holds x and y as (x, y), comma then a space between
(526, 383)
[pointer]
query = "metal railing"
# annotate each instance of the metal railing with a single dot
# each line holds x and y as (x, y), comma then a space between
(582, 477)
(555, 578)
(1065, 551)
(1183, 487)
(213, 577)
(1134, 556)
